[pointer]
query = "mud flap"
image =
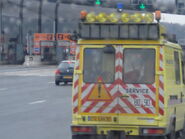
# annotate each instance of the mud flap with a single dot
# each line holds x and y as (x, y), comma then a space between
(116, 135)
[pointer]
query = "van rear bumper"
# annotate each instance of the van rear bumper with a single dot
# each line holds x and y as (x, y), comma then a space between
(128, 130)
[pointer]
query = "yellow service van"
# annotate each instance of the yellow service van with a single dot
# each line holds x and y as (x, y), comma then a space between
(129, 80)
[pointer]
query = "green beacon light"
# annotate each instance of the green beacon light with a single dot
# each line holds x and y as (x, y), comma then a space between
(98, 2)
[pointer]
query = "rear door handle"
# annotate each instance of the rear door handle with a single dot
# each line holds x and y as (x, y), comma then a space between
(124, 96)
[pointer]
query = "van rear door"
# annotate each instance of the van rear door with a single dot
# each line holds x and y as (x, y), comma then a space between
(139, 91)
(99, 87)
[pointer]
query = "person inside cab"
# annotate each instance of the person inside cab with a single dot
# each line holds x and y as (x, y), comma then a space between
(139, 66)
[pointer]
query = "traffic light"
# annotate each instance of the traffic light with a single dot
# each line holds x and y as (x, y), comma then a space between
(142, 6)
(98, 2)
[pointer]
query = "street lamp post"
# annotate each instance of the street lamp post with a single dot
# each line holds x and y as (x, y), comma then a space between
(55, 28)
(56, 17)
(1, 30)
(1, 16)
(40, 17)
(21, 22)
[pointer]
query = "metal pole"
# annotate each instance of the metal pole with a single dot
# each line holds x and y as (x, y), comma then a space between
(21, 23)
(1, 16)
(1, 31)
(40, 17)
(28, 43)
(56, 16)
(56, 28)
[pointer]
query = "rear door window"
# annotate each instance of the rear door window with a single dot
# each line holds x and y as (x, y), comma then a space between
(138, 66)
(98, 64)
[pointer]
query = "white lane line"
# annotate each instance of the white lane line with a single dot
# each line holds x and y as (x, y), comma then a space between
(37, 102)
(3, 89)
(51, 82)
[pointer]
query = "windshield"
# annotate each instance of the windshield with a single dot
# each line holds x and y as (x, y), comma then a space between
(98, 65)
(139, 66)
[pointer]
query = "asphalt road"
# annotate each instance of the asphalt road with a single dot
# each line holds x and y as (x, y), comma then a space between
(31, 106)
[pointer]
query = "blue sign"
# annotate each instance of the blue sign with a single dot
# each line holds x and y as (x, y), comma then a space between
(36, 50)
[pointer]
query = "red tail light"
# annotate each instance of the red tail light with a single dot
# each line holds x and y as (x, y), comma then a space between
(154, 131)
(57, 72)
(83, 129)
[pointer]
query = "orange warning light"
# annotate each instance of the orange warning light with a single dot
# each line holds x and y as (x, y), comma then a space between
(83, 15)
(158, 15)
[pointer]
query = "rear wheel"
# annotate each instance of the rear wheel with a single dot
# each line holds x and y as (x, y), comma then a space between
(182, 133)
(57, 83)
(172, 134)
(88, 137)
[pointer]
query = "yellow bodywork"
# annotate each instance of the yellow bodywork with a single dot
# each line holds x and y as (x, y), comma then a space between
(133, 122)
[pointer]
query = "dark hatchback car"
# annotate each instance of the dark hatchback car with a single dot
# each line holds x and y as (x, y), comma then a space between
(64, 72)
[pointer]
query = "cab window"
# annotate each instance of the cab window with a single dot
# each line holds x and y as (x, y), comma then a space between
(177, 67)
(98, 66)
(183, 68)
(138, 66)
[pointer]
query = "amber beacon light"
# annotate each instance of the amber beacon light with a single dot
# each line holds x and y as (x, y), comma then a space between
(83, 15)
(158, 15)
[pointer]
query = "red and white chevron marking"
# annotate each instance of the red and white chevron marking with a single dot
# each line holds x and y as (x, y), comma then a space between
(119, 59)
(126, 105)
(161, 84)
(129, 101)
(102, 106)
(116, 90)
(76, 82)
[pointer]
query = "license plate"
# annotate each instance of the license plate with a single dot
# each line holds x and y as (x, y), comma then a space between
(142, 102)
(67, 77)
(100, 118)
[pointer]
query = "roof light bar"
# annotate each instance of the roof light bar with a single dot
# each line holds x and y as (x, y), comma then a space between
(118, 18)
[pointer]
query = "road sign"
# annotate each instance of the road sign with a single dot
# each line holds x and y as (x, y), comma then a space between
(99, 92)
(36, 50)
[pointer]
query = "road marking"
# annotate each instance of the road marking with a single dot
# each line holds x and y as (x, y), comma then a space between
(37, 102)
(3, 89)
(34, 72)
(51, 82)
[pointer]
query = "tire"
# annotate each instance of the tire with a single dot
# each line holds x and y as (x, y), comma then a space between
(182, 133)
(88, 137)
(172, 134)
(80, 137)
(65, 82)
(57, 83)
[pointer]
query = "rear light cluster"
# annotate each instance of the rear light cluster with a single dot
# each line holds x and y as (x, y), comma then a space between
(58, 72)
(83, 129)
(153, 131)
